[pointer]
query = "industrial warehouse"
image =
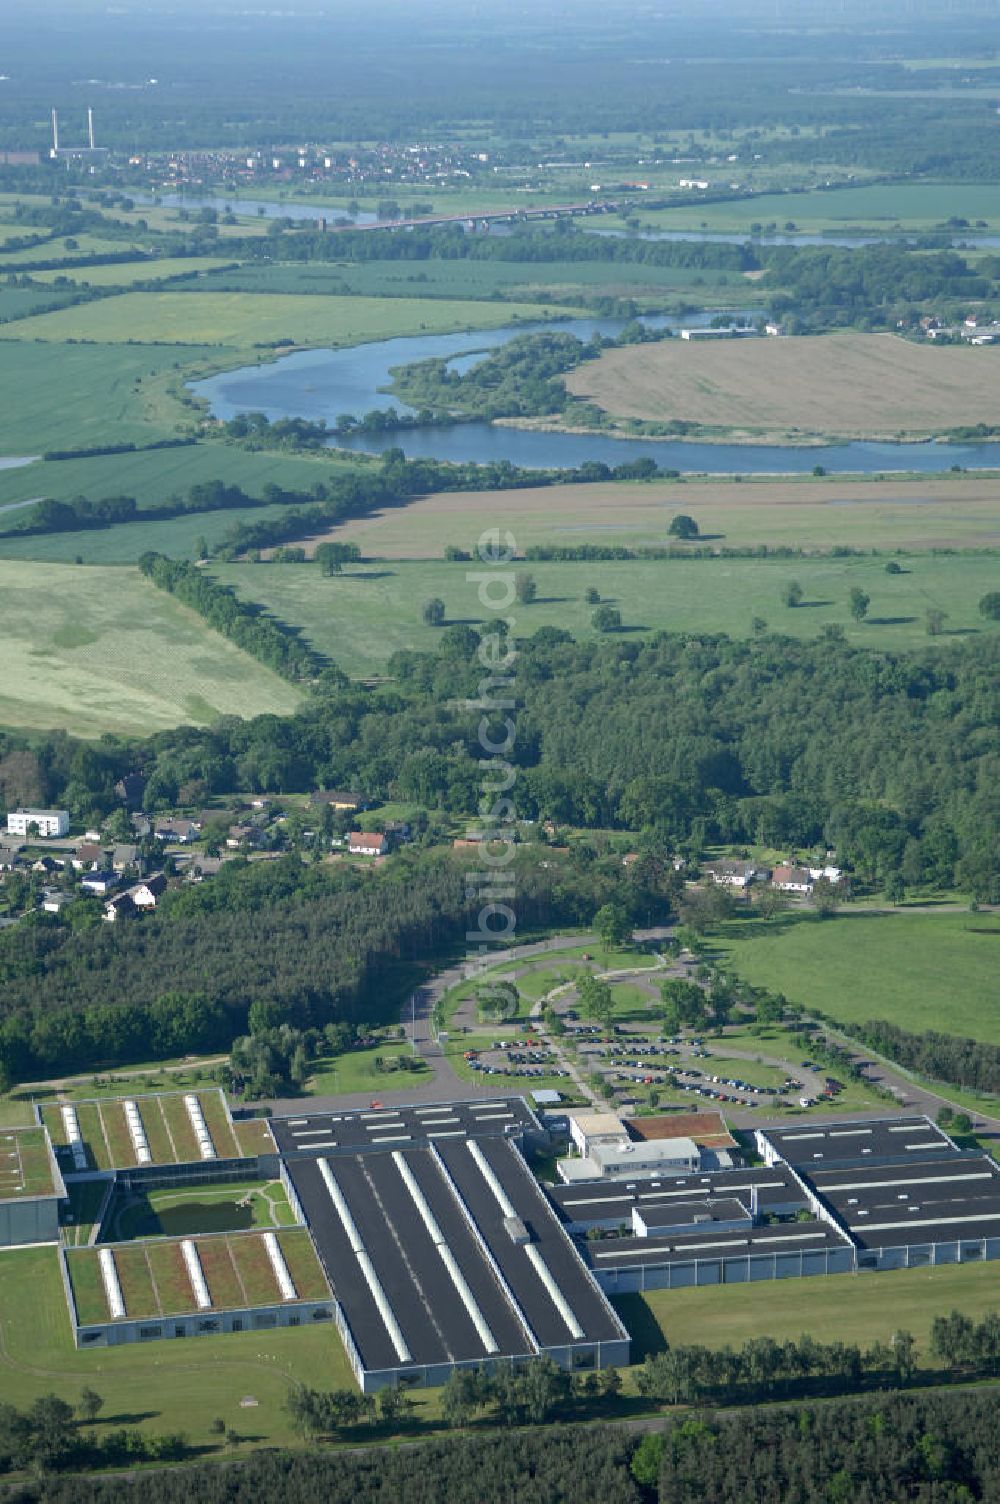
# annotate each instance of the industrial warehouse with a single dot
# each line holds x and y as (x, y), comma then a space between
(424, 1236)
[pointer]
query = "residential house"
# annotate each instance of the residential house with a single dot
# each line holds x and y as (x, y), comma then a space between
(119, 907)
(175, 829)
(733, 874)
(339, 799)
(89, 855)
(99, 884)
(142, 826)
(792, 879)
(44, 822)
(832, 874)
(397, 832)
(144, 895)
(46, 864)
(244, 835)
(54, 901)
(123, 856)
(367, 843)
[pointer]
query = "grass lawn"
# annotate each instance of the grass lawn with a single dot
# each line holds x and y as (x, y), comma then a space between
(247, 319)
(170, 1276)
(58, 250)
(65, 396)
(920, 971)
(813, 513)
(186, 1211)
(364, 615)
(355, 1071)
(165, 1386)
(862, 1308)
(96, 649)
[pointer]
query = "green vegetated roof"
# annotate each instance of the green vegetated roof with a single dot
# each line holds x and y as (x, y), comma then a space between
(25, 1164)
(155, 1283)
(170, 1136)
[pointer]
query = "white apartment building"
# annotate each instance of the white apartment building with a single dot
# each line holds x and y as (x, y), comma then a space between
(47, 822)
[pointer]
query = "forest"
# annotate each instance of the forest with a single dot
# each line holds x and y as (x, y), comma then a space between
(939, 1447)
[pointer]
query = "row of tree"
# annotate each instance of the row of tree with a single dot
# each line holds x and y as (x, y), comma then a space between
(266, 638)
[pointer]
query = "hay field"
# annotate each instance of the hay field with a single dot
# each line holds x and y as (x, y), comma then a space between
(843, 384)
(98, 649)
(948, 511)
(234, 318)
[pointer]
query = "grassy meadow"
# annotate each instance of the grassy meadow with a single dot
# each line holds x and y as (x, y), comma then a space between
(246, 319)
(918, 970)
(863, 1308)
(361, 617)
(93, 650)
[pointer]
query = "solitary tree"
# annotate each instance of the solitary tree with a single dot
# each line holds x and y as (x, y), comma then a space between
(592, 596)
(525, 588)
(895, 888)
(606, 619)
(935, 621)
(433, 612)
(613, 925)
(90, 1404)
(791, 593)
(859, 603)
(989, 605)
(893, 567)
(683, 526)
(595, 999)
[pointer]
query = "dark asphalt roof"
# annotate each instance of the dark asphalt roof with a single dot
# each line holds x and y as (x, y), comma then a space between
(599, 1201)
(833, 1143)
(685, 1213)
(397, 1128)
(585, 1300)
(608, 1254)
(936, 1201)
(430, 1312)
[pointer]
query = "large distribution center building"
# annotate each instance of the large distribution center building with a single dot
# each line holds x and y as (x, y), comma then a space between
(422, 1234)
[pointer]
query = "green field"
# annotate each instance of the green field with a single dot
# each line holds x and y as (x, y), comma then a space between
(878, 206)
(811, 513)
(22, 302)
(482, 279)
(58, 250)
(918, 970)
(93, 650)
(65, 396)
(124, 273)
(245, 319)
(361, 617)
(863, 1308)
(152, 476)
(25, 1166)
(190, 1210)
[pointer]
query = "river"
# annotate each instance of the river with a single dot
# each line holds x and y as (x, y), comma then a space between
(322, 384)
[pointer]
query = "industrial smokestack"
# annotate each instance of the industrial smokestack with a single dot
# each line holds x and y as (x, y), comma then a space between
(90, 128)
(55, 132)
